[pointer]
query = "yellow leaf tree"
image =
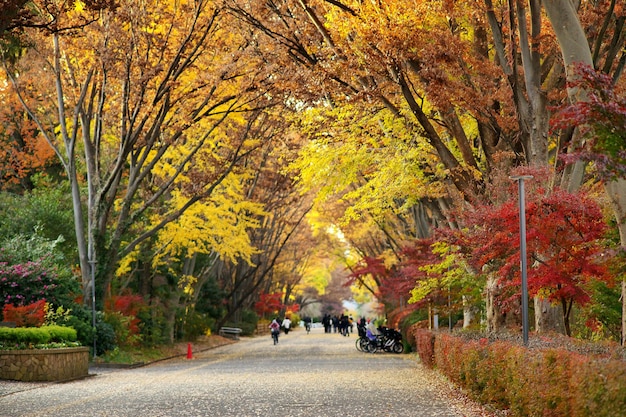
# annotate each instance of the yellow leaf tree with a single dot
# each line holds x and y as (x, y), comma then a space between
(139, 87)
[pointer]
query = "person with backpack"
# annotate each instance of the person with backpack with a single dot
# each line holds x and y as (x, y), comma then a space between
(275, 330)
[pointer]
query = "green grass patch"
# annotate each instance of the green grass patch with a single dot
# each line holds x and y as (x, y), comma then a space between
(134, 355)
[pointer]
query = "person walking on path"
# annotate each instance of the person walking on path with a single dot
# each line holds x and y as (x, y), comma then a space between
(327, 322)
(286, 325)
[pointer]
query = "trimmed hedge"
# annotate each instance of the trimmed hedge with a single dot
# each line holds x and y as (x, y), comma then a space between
(529, 382)
(37, 335)
(423, 342)
(61, 333)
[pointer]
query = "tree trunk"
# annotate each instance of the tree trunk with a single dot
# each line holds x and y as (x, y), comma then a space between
(548, 317)
(468, 313)
(495, 318)
(623, 311)
(85, 255)
(570, 35)
(536, 123)
(574, 49)
(172, 306)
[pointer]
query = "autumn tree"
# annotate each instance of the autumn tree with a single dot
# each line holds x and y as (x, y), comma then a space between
(131, 101)
(336, 292)
(292, 265)
(269, 304)
(605, 52)
(602, 120)
(23, 152)
(10, 12)
(565, 232)
(266, 270)
(18, 16)
(479, 84)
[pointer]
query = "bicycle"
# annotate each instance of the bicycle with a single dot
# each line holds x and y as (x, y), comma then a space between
(275, 334)
(362, 344)
(390, 340)
(362, 341)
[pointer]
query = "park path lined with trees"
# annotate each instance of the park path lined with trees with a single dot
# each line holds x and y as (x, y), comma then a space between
(314, 374)
(235, 151)
(171, 168)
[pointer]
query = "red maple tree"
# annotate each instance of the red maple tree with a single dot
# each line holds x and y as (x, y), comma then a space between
(372, 267)
(128, 305)
(269, 303)
(601, 119)
(415, 256)
(30, 315)
(394, 284)
(564, 246)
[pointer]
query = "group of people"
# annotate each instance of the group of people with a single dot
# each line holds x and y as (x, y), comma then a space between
(343, 324)
(278, 324)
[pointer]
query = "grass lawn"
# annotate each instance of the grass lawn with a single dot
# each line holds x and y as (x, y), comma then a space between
(139, 355)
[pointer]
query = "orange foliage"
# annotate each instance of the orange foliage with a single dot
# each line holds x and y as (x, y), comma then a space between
(544, 380)
(129, 306)
(22, 149)
(31, 315)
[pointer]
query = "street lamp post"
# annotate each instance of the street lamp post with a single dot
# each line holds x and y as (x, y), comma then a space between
(522, 246)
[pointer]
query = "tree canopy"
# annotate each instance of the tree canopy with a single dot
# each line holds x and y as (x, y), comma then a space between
(247, 146)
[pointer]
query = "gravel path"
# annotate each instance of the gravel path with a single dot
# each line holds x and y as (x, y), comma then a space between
(312, 374)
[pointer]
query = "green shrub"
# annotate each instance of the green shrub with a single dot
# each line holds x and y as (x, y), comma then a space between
(247, 329)
(28, 336)
(407, 346)
(152, 325)
(105, 335)
(24, 335)
(121, 325)
(80, 320)
(196, 324)
(249, 320)
(61, 333)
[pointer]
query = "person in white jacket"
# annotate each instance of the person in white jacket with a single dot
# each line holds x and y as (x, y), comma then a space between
(286, 325)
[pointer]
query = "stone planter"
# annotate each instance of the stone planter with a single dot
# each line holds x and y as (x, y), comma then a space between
(44, 364)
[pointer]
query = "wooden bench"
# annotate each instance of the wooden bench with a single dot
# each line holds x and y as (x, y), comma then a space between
(230, 331)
